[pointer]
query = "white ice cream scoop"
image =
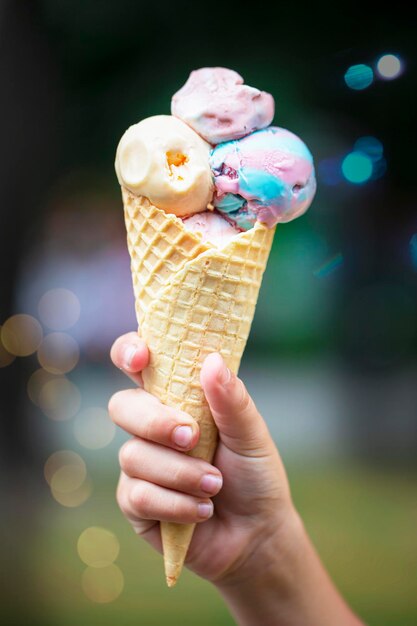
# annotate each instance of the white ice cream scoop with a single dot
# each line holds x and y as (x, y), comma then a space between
(165, 160)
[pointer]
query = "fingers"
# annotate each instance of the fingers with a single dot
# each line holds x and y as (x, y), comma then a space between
(143, 415)
(241, 427)
(140, 526)
(130, 354)
(162, 484)
(169, 468)
(140, 501)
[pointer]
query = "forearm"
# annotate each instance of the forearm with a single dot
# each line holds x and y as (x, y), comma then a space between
(292, 589)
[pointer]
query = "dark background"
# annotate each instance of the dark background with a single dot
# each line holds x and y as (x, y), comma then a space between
(335, 333)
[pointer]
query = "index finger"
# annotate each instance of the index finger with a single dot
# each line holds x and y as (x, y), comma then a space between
(130, 354)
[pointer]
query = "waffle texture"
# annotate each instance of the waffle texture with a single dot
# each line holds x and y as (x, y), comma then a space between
(192, 299)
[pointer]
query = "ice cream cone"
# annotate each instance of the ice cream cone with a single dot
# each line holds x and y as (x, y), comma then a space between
(192, 299)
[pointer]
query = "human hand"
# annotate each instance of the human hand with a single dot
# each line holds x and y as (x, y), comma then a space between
(253, 513)
(252, 544)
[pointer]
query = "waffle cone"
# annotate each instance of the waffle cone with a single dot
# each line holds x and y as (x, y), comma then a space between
(192, 299)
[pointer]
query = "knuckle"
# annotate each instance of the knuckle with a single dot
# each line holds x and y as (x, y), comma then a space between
(140, 501)
(148, 427)
(122, 499)
(244, 401)
(156, 423)
(179, 509)
(128, 454)
(177, 474)
(186, 476)
(114, 405)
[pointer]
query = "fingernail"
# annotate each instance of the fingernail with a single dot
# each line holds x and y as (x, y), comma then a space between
(224, 375)
(205, 509)
(182, 436)
(128, 356)
(211, 484)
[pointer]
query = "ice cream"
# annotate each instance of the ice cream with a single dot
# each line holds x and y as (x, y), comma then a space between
(267, 176)
(197, 269)
(164, 160)
(192, 298)
(219, 107)
(212, 227)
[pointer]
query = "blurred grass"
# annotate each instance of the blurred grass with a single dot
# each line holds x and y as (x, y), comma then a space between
(363, 522)
(361, 519)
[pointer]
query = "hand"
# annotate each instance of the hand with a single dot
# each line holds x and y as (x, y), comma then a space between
(247, 481)
(249, 540)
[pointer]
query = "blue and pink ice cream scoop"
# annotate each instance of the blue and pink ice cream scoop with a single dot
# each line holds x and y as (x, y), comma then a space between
(261, 172)
(267, 176)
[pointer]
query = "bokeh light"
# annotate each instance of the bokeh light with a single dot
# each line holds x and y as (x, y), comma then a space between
(93, 428)
(5, 357)
(104, 584)
(75, 498)
(21, 335)
(59, 399)
(370, 146)
(98, 547)
(359, 76)
(63, 458)
(357, 167)
(68, 478)
(58, 353)
(389, 66)
(36, 381)
(66, 473)
(59, 309)
(373, 148)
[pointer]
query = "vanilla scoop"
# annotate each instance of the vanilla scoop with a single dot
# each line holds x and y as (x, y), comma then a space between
(166, 161)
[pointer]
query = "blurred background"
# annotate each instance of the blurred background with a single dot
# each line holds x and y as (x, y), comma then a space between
(332, 357)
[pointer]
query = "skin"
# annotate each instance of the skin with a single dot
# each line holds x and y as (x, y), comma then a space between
(249, 541)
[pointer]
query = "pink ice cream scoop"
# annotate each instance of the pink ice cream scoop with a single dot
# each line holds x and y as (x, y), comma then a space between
(212, 227)
(267, 176)
(219, 107)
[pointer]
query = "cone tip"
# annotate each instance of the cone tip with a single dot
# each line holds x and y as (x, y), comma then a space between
(171, 581)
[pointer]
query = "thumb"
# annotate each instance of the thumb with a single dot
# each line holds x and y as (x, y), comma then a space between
(241, 427)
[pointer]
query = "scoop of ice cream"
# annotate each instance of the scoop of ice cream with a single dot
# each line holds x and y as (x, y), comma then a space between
(267, 176)
(215, 102)
(212, 226)
(165, 160)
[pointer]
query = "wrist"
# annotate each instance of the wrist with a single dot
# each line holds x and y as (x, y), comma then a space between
(283, 583)
(271, 561)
